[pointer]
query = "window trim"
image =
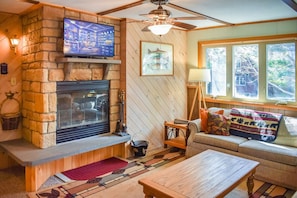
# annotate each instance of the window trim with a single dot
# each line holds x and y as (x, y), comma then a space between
(246, 40)
(258, 39)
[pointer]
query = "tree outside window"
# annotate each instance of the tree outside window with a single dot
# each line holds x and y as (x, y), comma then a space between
(280, 74)
(246, 71)
(240, 68)
(216, 62)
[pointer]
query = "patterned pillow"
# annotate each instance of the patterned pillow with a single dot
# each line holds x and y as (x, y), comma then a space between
(253, 124)
(204, 117)
(218, 124)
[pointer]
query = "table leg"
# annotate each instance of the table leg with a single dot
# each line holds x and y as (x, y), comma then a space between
(147, 193)
(250, 185)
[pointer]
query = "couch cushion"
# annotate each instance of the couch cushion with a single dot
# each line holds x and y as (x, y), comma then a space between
(218, 124)
(204, 117)
(227, 142)
(252, 124)
(269, 151)
(287, 133)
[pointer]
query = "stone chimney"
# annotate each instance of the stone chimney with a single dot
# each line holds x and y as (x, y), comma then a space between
(42, 45)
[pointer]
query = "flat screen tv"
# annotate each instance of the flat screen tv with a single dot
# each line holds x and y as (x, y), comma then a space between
(87, 39)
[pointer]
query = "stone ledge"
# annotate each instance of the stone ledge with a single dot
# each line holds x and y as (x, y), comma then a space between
(26, 154)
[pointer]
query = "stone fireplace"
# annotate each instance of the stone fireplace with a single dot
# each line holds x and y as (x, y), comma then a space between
(44, 67)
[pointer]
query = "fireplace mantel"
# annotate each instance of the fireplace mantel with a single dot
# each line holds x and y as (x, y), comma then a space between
(86, 60)
(70, 60)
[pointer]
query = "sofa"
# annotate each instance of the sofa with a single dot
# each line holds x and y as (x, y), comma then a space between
(278, 158)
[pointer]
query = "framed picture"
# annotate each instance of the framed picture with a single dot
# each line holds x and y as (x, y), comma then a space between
(156, 59)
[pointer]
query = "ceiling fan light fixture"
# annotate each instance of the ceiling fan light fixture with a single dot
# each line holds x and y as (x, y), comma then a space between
(160, 29)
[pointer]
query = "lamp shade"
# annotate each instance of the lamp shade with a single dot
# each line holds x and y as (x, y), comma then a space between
(199, 75)
(160, 29)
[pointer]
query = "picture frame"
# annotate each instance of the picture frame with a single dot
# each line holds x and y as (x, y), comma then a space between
(156, 59)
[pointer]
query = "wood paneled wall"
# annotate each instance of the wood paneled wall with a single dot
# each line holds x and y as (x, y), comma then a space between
(36, 175)
(153, 99)
(10, 26)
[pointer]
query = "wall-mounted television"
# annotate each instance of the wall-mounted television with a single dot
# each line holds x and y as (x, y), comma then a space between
(87, 39)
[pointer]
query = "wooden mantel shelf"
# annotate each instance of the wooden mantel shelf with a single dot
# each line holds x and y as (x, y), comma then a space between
(70, 60)
(86, 60)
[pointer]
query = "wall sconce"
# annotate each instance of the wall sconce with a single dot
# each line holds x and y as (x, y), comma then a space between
(14, 43)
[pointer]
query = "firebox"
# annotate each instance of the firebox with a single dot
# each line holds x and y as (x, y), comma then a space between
(82, 109)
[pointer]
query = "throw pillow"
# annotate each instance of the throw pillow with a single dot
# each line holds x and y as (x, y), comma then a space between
(253, 124)
(218, 124)
(204, 117)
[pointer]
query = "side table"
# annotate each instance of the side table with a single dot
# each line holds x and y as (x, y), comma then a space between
(179, 141)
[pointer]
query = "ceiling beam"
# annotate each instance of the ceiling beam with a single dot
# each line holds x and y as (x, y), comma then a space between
(184, 25)
(131, 5)
(196, 13)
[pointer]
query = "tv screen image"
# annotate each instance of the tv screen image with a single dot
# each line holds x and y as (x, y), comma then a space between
(87, 39)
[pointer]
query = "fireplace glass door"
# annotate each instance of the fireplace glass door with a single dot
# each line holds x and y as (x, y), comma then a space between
(82, 109)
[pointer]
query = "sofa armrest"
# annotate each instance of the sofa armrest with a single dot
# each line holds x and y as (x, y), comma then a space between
(193, 127)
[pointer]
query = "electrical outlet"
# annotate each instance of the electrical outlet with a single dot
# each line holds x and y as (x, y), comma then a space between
(13, 81)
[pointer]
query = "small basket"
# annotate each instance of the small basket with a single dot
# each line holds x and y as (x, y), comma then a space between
(10, 121)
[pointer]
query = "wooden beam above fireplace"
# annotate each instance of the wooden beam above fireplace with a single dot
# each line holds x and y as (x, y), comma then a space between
(70, 60)
(86, 60)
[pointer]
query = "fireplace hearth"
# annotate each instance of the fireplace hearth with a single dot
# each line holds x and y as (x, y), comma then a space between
(82, 109)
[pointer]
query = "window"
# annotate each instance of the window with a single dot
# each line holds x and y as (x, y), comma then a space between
(280, 72)
(216, 61)
(261, 69)
(245, 71)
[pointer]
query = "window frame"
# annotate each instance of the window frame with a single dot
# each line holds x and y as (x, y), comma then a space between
(261, 41)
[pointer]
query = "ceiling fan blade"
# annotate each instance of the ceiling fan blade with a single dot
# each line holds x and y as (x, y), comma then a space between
(184, 25)
(196, 13)
(190, 18)
(291, 3)
(131, 5)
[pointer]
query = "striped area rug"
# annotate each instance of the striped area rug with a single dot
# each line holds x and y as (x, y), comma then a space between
(136, 167)
(92, 186)
(268, 190)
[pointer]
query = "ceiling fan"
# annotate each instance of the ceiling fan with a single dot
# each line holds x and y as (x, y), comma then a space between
(161, 16)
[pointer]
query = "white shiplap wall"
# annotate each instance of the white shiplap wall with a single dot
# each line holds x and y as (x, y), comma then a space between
(153, 99)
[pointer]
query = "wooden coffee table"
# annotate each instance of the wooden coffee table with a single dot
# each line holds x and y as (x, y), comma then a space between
(208, 174)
